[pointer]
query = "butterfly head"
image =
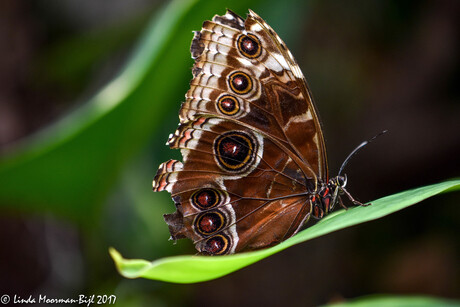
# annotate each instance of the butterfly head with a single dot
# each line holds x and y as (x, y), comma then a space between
(338, 182)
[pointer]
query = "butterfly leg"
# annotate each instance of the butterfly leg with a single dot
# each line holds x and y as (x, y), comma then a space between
(342, 204)
(354, 201)
(316, 217)
(317, 210)
(336, 199)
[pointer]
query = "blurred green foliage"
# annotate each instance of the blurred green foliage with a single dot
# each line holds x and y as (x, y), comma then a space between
(95, 165)
(70, 168)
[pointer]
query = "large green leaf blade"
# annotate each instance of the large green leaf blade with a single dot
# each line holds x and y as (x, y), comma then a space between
(191, 269)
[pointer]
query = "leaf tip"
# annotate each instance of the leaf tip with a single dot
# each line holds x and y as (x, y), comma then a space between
(116, 257)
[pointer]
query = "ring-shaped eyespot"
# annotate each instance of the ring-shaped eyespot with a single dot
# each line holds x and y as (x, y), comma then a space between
(210, 222)
(249, 46)
(235, 151)
(216, 245)
(206, 198)
(228, 105)
(240, 82)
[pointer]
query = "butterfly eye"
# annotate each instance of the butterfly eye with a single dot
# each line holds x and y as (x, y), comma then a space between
(240, 82)
(341, 181)
(249, 46)
(216, 245)
(234, 151)
(228, 105)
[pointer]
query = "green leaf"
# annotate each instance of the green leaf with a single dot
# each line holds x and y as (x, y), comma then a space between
(400, 301)
(69, 168)
(191, 269)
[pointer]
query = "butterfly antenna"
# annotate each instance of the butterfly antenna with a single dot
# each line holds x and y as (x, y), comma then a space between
(358, 148)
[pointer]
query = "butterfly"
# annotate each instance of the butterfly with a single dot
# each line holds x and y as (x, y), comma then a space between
(254, 167)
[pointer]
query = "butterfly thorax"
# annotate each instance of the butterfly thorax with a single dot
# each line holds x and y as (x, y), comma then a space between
(328, 196)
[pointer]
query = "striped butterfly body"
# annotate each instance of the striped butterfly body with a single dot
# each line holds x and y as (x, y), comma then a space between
(254, 164)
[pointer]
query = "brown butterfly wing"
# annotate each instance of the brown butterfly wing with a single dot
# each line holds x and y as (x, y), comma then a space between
(250, 139)
(292, 99)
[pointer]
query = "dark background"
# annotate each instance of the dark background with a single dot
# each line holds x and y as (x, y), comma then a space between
(371, 65)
